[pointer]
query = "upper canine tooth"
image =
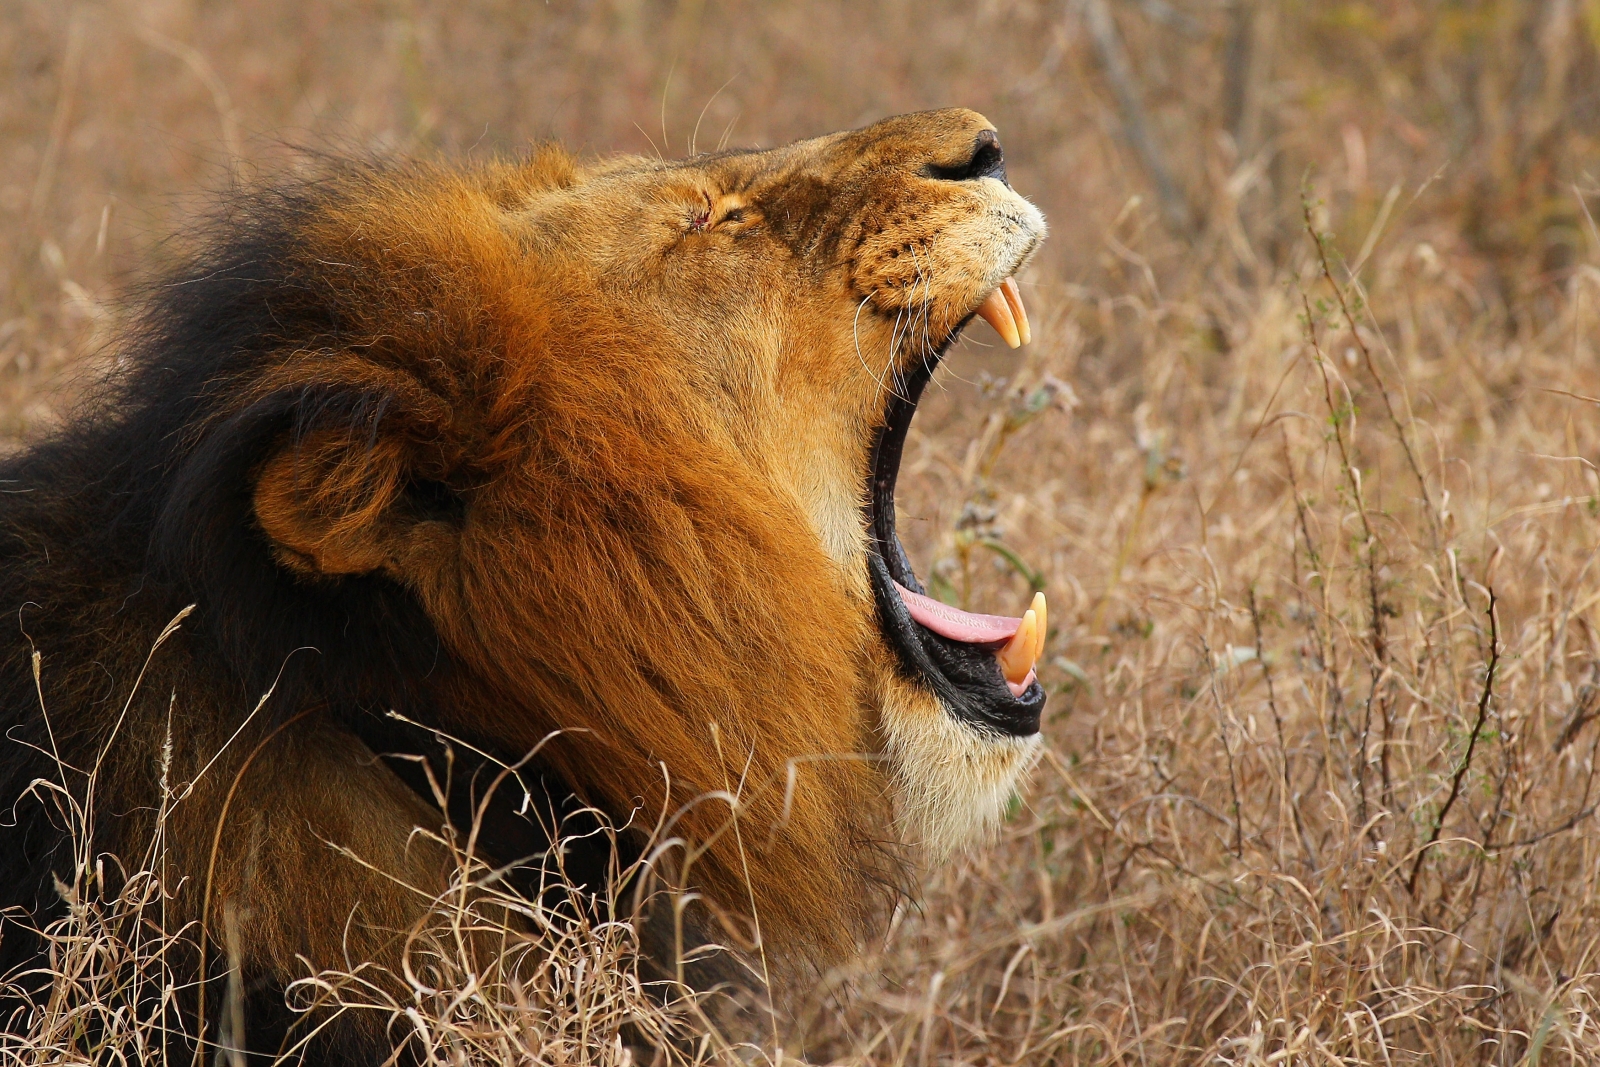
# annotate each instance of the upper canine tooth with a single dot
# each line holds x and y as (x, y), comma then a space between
(1013, 297)
(1022, 651)
(996, 311)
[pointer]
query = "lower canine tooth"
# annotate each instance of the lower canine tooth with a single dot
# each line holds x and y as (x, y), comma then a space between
(1022, 651)
(1043, 614)
(996, 311)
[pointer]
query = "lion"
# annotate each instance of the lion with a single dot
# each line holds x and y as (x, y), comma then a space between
(589, 465)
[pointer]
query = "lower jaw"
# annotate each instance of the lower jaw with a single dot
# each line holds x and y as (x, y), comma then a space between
(965, 679)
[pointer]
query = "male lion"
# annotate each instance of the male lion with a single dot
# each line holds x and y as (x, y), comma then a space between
(605, 449)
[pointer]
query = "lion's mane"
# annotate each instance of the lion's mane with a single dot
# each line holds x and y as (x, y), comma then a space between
(351, 428)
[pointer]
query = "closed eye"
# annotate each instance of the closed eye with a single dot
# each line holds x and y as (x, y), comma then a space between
(704, 217)
(700, 219)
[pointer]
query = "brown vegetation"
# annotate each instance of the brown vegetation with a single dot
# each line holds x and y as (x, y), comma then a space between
(1317, 514)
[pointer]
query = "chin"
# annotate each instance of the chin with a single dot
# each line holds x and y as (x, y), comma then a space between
(953, 782)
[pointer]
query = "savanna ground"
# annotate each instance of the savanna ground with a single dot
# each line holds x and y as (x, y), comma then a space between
(1304, 455)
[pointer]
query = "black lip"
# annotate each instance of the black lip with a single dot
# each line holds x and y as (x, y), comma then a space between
(966, 678)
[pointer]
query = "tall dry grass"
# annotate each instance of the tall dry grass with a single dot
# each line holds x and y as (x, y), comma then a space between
(1305, 456)
(488, 974)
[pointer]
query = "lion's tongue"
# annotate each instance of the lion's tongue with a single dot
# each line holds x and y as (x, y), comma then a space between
(1021, 640)
(957, 625)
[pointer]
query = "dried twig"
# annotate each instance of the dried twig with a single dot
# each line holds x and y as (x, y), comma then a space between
(1472, 745)
(1277, 722)
(1338, 415)
(1227, 750)
(1130, 107)
(1321, 244)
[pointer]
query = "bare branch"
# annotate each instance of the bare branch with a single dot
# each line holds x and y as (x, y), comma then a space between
(1125, 87)
(1472, 745)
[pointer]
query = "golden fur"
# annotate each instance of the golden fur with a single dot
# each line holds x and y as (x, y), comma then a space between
(607, 425)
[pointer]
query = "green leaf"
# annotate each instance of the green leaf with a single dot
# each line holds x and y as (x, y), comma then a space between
(1035, 580)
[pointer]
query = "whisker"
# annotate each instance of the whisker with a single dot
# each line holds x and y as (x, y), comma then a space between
(914, 310)
(694, 136)
(727, 131)
(924, 310)
(856, 336)
(895, 341)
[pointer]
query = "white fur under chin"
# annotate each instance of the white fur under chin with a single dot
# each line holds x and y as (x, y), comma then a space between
(954, 781)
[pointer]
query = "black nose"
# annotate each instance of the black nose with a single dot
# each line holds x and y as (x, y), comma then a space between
(986, 160)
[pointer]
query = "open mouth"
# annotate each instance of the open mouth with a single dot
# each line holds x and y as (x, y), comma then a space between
(981, 667)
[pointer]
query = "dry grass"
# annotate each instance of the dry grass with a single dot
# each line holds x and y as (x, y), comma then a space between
(1317, 516)
(487, 975)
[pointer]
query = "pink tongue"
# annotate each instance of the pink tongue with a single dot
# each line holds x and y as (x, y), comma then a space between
(956, 624)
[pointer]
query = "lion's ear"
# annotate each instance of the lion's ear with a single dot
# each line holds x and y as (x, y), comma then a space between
(333, 505)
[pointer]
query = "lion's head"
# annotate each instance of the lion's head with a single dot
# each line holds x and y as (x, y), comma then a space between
(629, 433)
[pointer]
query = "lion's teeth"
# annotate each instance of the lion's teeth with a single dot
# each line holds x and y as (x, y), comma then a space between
(1013, 297)
(1022, 651)
(1042, 613)
(996, 311)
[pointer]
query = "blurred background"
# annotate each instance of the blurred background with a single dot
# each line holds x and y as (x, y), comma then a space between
(1169, 142)
(1315, 372)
